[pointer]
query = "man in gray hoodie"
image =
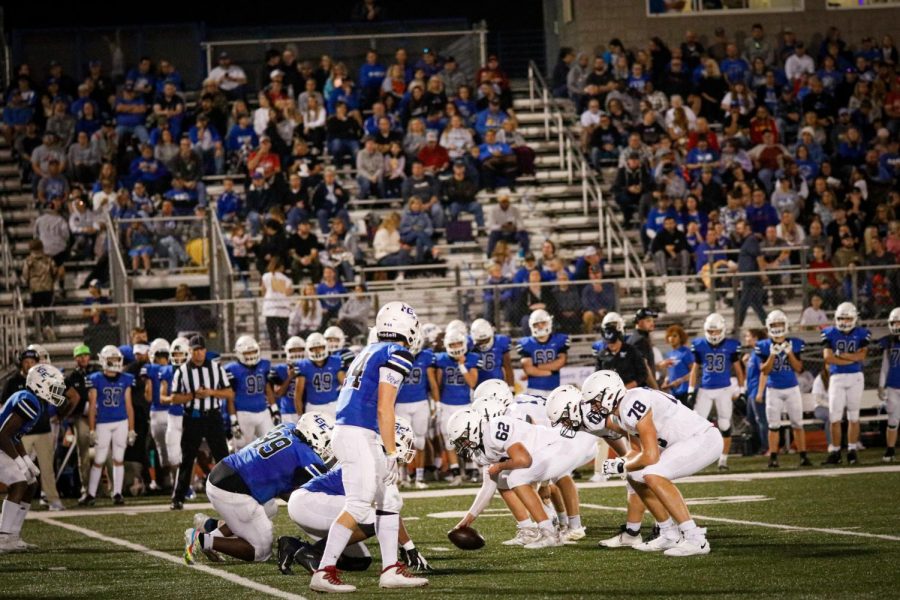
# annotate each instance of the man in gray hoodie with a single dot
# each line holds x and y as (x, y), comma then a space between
(53, 231)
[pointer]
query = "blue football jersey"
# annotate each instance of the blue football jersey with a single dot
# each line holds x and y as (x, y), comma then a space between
(330, 483)
(27, 406)
(753, 373)
(176, 410)
(157, 373)
(358, 399)
(277, 376)
(541, 354)
(276, 464)
(891, 346)
(346, 356)
(684, 360)
(715, 361)
(321, 384)
(249, 385)
(454, 389)
(490, 363)
(415, 386)
(782, 375)
(841, 343)
(110, 395)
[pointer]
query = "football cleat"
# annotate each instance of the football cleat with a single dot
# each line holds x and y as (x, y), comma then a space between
(287, 546)
(455, 481)
(118, 500)
(421, 485)
(56, 506)
(549, 539)
(834, 458)
(12, 543)
(888, 455)
(690, 546)
(396, 576)
(524, 535)
(805, 462)
(773, 462)
(329, 580)
(658, 543)
(191, 539)
(87, 500)
(308, 557)
(200, 520)
(598, 478)
(573, 535)
(176, 505)
(852, 458)
(624, 539)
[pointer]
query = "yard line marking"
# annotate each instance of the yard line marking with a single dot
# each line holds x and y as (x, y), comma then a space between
(890, 538)
(226, 575)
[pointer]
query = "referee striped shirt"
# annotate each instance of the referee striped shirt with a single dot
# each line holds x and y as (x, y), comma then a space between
(189, 378)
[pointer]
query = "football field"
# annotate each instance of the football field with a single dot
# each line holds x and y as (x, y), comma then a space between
(815, 533)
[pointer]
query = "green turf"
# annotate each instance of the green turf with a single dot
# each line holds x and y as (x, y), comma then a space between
(746, 560)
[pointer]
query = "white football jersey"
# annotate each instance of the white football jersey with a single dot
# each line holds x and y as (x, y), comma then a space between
(674, 421)
(502, 432)
(530, 408)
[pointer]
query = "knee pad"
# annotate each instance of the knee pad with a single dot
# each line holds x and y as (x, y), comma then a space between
(353, 563)
(893, 423)
(726, 432)
(361, 512)
(773, 428)
(271, 509)
(368, 529)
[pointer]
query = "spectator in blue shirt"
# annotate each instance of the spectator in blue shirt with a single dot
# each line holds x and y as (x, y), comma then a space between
(416, 228)
(497, 160)
(228, 207)
(148, 170)
(142, 78)
(701, 156)
(492, 296)
(597, 298)
(733, 67)
(490, 118)
(330, 286)
(371, 76)
(131, 112)
(656, 217)
(761, 214)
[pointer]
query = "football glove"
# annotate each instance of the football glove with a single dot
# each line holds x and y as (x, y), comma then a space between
(92, 438)
(414, 560)
(132, 437)
(25, 470)
(691, 398)
(276, 414)
(235, 427)
(392, 469)
(742, 397)
(614, 466)
(31, 466)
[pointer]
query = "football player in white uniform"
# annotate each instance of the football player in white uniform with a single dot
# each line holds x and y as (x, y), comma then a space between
(669, 441)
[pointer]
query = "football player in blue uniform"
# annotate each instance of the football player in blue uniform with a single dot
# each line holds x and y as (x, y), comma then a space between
(366, 413)
(336, 340)
(677, 363)
(284, 379)
(18, 416)
(755, 412)
(457, 375)
(243, 487)
(779, 358)
(111, 421)
(493, 350)
(715, 357)
(253, 412)
(316, 505)
(846, 346)
(889, 381)
(543, 354)
(179, 352)
(319, 377)
(412, 404)
(157, 380)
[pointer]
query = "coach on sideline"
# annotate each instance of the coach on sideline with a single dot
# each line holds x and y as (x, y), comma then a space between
(201, 386)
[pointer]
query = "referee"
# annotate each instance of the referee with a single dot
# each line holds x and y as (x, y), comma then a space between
(623, 358)
(201, 386)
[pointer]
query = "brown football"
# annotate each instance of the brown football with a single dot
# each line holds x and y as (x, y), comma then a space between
(466, 538)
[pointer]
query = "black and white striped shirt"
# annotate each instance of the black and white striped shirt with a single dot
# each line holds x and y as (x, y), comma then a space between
(189, 378)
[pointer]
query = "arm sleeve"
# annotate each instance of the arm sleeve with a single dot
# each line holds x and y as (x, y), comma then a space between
(391, 376)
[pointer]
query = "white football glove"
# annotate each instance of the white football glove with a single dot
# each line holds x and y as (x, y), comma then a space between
(132, 437)
(30, 477)
(235, 427)
(276, 414)
(614, 466)
(392, 469)
(92, 438)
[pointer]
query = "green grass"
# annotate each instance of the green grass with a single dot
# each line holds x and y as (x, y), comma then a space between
(745, 560)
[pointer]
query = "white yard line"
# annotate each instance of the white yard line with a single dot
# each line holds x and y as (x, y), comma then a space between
(226, 575)
(891, 538)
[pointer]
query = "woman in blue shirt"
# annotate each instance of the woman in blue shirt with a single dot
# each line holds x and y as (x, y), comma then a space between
(677, 363)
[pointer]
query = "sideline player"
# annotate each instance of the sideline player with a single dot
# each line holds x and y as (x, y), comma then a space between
(365, 413)
(715, 356)
(846, 346)
(456, 371)
(253, 412)
(19, 414)
(158, 379)
(493, 351)
(111, 420)
(669, 441)
(319, 377)
(889, 382)
(336, 340)
(412, 404)
(283, 378)
(243, 486)
(779, 358)
(543, 354)
(179, 352)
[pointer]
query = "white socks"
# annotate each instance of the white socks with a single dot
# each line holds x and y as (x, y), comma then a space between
(94, 480)
(420, 474)
(118, 478)
(688, 528)
(575, 522)
(338, 536)
(9, 516)
(668, 529)
(524, 524)
(563, 519)
(546, 526)
(387, 527)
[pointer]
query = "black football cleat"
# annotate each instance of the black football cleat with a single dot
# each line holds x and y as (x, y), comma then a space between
(118, 500)
(87, 500)
(308, 557)
(805, 462)
(773, 462)
(852, 459)
(287, 546)
(834, 458)
(176, 505)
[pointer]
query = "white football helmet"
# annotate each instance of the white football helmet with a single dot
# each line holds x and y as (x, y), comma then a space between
(456, 343)
(456, 325)
(464, 431)
(47, 383)
(845, 317)
(541, 324)
(564, 408)
(335, 338)
(494, 389)
(159, 347)
(482, 334)
(397, 322)
(180, 350)
(294, 348)
(43, 355)
(247, 350)
(714, 328)
(894, 321)
(489, 407)
(316, 347)
(777, 324)
(111, 359)
(315, 427)
(430, 333)
(404, 440)
(614, 319)
(602, 391)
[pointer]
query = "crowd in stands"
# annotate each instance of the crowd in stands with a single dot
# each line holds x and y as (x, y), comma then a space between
(764, 145)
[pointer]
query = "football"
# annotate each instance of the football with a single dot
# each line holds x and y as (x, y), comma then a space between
(466, 538)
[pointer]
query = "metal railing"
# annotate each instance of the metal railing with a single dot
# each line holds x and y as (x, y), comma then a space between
(6, 258)
(119, 282)
(610, 232)
(221, 277)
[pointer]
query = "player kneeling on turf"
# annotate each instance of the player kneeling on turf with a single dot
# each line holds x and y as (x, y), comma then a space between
(243, 487)
(668, 441)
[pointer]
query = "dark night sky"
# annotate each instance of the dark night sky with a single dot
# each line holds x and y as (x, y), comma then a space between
(499, 15)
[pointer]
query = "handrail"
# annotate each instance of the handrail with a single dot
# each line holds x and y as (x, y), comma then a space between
(6, 259)
(119, 283)
(221, 274)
